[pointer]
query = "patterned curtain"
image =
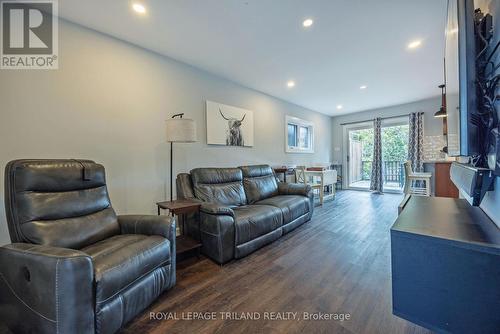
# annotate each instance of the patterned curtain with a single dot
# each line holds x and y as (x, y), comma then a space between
(377, 179)
(416, 141)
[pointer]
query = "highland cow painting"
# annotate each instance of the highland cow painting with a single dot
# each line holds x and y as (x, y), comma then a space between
(228, 125)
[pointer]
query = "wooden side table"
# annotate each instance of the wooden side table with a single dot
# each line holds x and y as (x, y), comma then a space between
(181, 208)
(283, 170)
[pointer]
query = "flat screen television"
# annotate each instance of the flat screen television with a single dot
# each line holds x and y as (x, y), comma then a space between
(460, 79)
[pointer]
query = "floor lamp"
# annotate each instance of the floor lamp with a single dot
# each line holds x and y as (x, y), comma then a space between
(179, 130)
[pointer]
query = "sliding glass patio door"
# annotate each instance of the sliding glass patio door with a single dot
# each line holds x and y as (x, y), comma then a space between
(358, 154)
(394, 154)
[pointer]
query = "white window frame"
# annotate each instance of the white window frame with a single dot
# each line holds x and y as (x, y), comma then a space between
(299, 122)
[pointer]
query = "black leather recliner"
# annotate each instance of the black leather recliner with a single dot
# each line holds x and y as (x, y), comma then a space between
(243, 208)
(75, 266)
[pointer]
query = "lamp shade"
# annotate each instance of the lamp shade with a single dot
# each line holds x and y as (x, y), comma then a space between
(441, 113)
(181, 130)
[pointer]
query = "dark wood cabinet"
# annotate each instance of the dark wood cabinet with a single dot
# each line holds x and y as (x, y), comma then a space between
(441, 184)
(444, 186)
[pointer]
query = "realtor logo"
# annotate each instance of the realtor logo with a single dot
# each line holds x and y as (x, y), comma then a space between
(29, 35)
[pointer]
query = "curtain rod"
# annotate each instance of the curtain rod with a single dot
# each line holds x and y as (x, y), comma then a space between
(370, 120)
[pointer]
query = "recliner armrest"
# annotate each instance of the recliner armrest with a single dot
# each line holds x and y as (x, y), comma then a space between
(216, 209)
(164, 226)
(294, 189)
(46, 289)
(148, 225)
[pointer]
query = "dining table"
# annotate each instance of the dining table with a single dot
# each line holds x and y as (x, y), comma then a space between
(324, 177)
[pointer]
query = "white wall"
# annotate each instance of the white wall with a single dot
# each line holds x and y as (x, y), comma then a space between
(432, 126)
(108, 102)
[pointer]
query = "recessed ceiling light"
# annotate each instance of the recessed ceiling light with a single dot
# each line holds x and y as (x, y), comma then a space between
(307, 23)
(339, 107)
(363, 87)
(139, 8)
(415, 44)
(290, 84)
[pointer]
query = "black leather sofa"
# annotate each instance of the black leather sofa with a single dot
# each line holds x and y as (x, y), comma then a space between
(75, 266)
(243, 208)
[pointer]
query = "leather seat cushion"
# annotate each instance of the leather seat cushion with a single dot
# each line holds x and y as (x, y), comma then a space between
(252, 221)
(123, 259)
(292, 206)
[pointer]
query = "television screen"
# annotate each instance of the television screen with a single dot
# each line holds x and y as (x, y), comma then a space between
(460, 78)
(452, 79)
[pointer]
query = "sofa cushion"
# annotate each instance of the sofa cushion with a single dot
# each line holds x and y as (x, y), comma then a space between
(221, 185)
(292, 206)
(60, 203)
(252, 221)
(259, 182)
(123, 259)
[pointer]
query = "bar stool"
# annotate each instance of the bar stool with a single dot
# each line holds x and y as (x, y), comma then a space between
(410, 179)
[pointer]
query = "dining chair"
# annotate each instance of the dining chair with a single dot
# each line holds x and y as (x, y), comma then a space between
(301, 177)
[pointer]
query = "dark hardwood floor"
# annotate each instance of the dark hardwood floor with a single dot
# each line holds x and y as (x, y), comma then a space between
(337, 263)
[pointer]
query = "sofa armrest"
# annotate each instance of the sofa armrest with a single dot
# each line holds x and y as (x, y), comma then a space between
(148, 224)
(217, 232)
(46, 289)
(216, 209)
(217, 236)
(294, 189)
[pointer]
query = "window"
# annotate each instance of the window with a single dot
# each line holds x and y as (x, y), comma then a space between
(299, 135)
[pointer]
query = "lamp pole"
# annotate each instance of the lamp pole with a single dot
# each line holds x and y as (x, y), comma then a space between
(171, 162)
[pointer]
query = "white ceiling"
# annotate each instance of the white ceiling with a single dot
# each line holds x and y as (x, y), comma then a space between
(261, 44)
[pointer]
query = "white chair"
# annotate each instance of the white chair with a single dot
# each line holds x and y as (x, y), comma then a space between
(300, 177)
(410, 179)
